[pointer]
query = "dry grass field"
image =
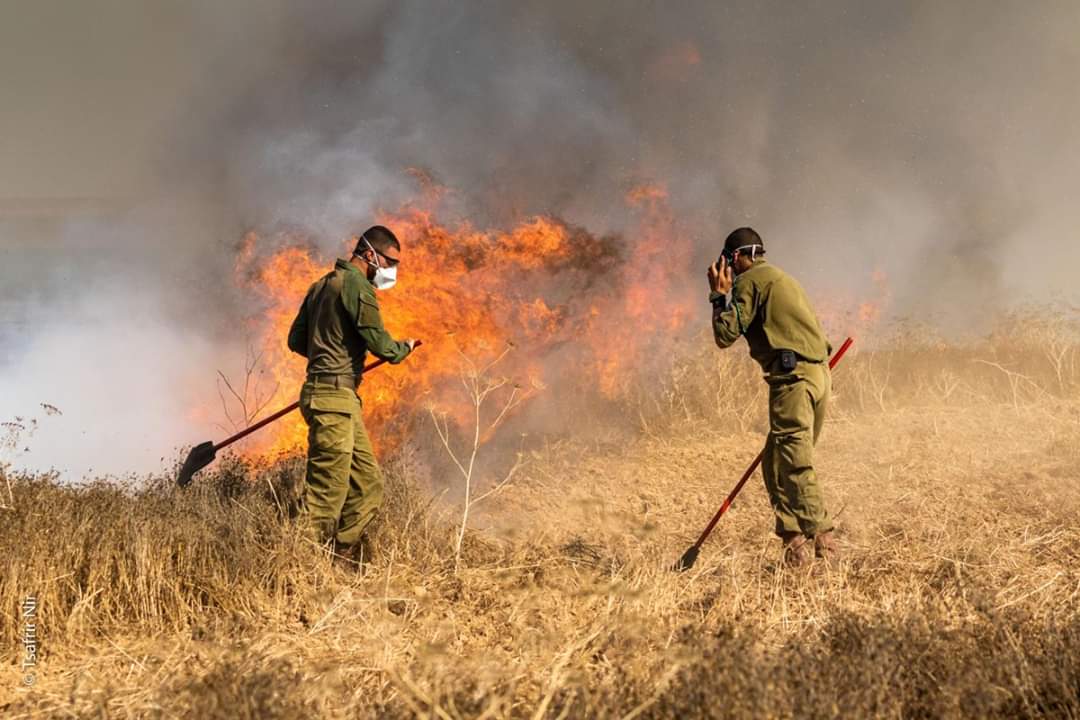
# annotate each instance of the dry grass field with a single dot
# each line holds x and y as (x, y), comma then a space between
(952, 470)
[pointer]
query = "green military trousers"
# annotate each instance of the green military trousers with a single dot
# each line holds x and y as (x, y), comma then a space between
(797, 403)
(343, 487)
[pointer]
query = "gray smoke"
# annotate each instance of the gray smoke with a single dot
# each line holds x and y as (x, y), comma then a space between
(936, 142)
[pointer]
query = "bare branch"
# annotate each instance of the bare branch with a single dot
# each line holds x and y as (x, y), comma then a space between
(232, 390)
(443, 431)
(261, 405)
(224, 402)
(499, 359)
(504, 482)
(510, 405)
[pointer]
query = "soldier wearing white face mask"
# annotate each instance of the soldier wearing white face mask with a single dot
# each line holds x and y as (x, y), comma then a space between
(338, 324)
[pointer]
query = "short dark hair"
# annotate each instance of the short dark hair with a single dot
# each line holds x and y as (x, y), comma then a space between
(378, 237)
(743, 237)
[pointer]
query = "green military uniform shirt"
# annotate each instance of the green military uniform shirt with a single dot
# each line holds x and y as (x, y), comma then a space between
(772, 311)
(769, 308)
(339, 322)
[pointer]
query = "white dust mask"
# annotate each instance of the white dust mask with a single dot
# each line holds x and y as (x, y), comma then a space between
(385, 277)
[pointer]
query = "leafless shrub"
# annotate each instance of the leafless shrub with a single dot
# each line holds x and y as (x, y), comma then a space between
(480, 385)
(243, 402)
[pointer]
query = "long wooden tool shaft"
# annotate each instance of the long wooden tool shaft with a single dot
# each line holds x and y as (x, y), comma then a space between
(285, 411)
(761, 456)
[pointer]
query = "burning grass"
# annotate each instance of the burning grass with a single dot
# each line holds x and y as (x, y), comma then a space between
(952, 470)
(580, 309)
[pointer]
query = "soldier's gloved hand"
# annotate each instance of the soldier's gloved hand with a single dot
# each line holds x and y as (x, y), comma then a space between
(411, 342)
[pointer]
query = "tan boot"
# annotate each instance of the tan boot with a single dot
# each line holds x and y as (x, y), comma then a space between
(796, 552)
(825, 547)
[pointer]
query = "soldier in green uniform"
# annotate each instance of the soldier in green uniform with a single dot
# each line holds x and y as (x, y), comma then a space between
(338, 324)
(770, 309)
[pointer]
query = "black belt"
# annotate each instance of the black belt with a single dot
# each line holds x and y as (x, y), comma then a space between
(338, 381)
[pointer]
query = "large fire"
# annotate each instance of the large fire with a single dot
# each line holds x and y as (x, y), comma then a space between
(559, 296)
(577, 311)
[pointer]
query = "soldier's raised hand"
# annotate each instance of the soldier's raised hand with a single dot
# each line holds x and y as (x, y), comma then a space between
(721, 277)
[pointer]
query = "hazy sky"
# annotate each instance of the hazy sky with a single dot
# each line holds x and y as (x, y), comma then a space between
(138, 140)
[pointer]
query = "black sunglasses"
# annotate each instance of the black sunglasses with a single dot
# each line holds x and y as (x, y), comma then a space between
(390, 262)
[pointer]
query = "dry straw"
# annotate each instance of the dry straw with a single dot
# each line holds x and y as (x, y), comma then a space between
(952, 469)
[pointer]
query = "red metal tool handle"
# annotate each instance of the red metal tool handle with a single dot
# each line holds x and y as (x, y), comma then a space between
(836, 358)
(286, 410)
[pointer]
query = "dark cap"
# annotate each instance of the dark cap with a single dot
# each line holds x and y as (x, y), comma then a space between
(378, 238)
(742, 238)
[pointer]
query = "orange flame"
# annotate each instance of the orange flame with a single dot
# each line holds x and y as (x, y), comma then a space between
(560, 295)
(581, 311)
